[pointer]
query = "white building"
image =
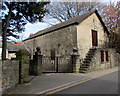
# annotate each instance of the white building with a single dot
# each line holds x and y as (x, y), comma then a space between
(12, 48)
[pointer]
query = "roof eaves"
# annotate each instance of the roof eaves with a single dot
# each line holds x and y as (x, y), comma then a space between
(105, 28)
(50, 31)
(72, 21)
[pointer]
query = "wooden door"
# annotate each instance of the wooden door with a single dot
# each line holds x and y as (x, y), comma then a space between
(94, 38)
(102, 56)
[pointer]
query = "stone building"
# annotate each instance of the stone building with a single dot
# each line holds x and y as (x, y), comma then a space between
(86, 32)
(12, 48)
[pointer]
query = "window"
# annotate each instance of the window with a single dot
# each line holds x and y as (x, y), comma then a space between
(106, 53)
(52, 54)
(102, 56)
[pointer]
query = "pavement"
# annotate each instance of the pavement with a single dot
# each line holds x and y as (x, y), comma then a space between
(51, 81)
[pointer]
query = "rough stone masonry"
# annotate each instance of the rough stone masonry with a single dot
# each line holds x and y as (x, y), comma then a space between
(10, 74)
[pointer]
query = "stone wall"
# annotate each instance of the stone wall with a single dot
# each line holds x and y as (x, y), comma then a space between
(62, 41)
(84, 34)
(96, 63)
(0, 77)
(118, 59)
(10, 74)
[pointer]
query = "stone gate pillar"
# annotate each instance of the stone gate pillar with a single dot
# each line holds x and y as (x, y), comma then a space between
(23, 57)
(38, 62)
(75, 60)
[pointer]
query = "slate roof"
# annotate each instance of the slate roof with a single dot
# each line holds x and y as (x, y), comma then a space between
(76, 20)
(15, 46)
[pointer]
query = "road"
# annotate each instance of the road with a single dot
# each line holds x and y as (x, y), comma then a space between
(107, 84)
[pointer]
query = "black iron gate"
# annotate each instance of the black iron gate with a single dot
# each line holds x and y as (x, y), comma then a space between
(58, 64)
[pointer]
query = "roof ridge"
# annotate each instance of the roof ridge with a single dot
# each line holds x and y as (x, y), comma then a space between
(64, 21)
(15, 44)
(76, 20)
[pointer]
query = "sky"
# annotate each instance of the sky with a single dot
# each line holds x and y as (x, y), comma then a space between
(30, 29)
(33, 28)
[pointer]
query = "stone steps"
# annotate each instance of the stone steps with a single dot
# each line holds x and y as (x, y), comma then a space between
(84, 68)
(86, 61)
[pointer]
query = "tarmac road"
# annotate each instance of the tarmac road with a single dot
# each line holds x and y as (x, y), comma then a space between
(47, 83)
(107, 84)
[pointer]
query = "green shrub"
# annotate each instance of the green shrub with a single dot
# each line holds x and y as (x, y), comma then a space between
(22, 52)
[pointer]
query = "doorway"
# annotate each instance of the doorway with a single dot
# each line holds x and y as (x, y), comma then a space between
(94, 38)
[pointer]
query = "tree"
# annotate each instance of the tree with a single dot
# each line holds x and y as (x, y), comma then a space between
(111, 17)
(62, 11)
(14, 17)
(114, 41)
